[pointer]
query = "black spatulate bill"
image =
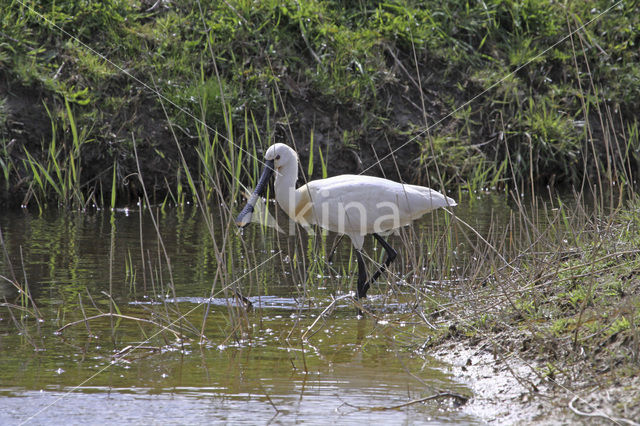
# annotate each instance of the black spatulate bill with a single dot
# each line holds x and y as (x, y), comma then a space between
(244, 218)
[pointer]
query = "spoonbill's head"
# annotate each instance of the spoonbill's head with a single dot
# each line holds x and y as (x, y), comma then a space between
(277, 157)
(283, 157)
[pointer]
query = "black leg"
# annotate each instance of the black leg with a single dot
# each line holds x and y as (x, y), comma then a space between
(391, 255)
(363, 283)
(362, 280)
(362, 277)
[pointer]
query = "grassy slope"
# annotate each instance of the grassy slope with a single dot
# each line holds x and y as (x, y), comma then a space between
(345, 71)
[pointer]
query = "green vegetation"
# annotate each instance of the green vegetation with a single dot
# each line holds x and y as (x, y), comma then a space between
(465, 88)
(557, 291)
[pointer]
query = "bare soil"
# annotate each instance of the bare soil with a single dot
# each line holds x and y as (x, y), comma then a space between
(508, 388)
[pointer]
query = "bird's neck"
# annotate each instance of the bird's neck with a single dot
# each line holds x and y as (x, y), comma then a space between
(285, 188)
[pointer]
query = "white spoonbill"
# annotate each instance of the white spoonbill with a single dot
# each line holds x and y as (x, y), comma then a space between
(353, 205)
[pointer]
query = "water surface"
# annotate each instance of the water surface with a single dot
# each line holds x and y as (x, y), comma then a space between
(251, 366)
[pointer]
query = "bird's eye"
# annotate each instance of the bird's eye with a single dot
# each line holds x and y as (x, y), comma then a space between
(277, 157)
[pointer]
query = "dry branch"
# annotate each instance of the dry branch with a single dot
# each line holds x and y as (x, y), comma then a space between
(460, 398)
(617, 420)
(112, 315)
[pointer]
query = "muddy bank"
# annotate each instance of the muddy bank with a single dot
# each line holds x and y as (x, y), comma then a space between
(512, 388)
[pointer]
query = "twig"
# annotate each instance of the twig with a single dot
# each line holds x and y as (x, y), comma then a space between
(460, 398)
(336, 241)
(23, 329)
(242, 18)
(266, 394)
(600, 415)
(6, 304)
(84, 315)
(248, 305)
(401, 66)
(524, 382)
(303, 30)
(130, 348)
(331, 305)
(112, 315)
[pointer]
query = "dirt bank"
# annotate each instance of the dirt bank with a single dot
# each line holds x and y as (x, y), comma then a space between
(509, 388)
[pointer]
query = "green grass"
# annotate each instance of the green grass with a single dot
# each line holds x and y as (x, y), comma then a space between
(238, 75)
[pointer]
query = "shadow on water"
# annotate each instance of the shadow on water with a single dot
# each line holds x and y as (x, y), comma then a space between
(248, 366)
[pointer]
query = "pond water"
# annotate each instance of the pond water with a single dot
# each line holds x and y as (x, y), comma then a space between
(154, 333)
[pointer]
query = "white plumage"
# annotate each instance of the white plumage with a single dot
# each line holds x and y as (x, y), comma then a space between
(353, 205)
